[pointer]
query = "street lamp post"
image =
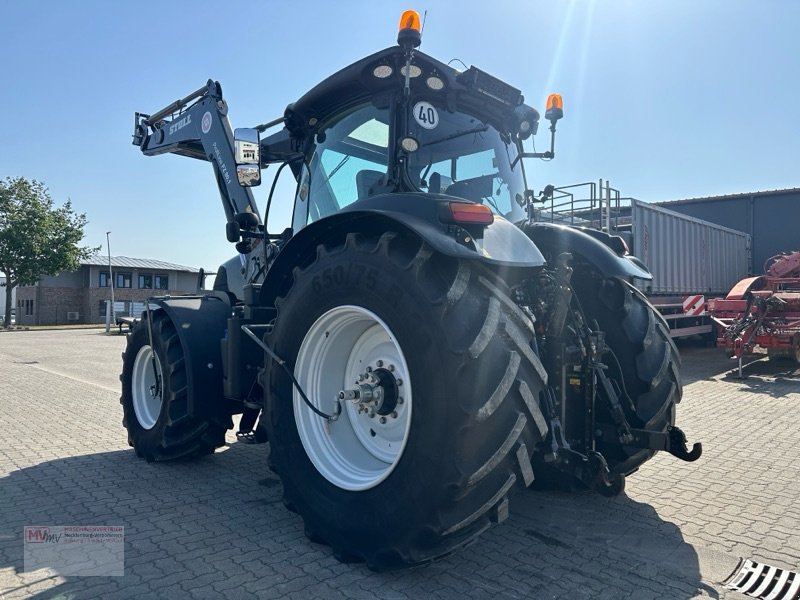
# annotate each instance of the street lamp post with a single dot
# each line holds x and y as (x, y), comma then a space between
(111, 281)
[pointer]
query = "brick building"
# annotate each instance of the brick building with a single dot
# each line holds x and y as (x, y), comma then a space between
(80, 296)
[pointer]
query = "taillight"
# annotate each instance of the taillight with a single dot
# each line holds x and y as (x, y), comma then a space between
(467, 213)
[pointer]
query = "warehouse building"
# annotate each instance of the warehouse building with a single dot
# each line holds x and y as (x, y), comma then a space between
(771, 218)
(80, 296)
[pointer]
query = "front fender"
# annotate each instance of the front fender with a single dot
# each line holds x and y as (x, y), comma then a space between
(200, 322)
(554, 239)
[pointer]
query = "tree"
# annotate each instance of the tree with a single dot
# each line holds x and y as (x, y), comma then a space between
(36, 238)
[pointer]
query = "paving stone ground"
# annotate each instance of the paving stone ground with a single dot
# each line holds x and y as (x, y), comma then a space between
(216, 528)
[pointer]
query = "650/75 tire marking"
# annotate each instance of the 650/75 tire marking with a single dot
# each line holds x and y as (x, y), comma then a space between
(338, 276)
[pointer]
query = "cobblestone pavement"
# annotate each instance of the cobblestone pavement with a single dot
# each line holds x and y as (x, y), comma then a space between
(217, 528)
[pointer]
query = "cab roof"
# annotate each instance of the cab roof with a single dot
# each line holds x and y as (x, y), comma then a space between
(471, 90)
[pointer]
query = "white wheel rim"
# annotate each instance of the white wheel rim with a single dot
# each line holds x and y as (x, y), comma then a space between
(356, 451)
(145, 393)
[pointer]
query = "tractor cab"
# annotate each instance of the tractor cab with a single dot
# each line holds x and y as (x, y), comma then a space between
(352, 157)
(400, 121)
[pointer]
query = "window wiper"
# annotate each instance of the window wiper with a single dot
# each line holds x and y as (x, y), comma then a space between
(337, 167)
(458, 134)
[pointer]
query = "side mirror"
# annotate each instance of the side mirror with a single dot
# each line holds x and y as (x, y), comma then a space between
(247, 153)
(248, 175)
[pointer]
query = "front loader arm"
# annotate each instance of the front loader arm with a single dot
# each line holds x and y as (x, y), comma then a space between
(197, 126)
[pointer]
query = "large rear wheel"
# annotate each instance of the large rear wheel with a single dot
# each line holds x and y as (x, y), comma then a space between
(644, 361)
(440, 415)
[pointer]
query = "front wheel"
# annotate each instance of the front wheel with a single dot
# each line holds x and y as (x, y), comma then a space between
(440, 391)
(154, 398)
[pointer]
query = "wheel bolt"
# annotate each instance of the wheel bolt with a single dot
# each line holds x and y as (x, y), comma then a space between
(391, 368)
(399, 382)
(400, 400)
(383, 420)
(369, 369)
(394, 414)
(379, 363)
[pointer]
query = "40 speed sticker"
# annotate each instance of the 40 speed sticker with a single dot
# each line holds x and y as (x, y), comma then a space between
(426, 115)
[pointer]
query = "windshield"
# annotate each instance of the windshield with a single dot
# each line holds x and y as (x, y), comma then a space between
(460, 155)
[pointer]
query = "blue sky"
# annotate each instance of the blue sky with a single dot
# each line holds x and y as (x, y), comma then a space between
(666, 98)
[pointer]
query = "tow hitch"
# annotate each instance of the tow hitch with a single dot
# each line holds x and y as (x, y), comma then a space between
(673, 441)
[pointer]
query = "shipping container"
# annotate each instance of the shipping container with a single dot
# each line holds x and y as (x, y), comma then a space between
(770, 217)
(687, 255)
(691, 259)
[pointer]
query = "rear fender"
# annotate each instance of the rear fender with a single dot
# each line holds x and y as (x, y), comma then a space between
(554, 239)
(503, 244)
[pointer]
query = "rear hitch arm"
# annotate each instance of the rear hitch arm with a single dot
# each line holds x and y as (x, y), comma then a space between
(590, 468)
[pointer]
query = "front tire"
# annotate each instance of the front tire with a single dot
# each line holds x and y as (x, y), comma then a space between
(154, 398)
(439, 470)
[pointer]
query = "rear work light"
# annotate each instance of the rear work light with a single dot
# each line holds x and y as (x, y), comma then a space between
(466, 213)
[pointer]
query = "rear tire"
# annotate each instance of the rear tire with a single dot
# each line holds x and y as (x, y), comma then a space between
(649, 362)
(471, 416)
(155, 404)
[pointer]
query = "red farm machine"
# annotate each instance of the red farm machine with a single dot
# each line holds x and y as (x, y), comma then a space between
(762, 311)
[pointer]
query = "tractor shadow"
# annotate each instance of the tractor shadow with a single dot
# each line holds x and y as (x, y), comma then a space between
(217, 527)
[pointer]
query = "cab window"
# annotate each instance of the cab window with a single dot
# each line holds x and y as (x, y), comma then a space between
(348, 161)
(462, 156)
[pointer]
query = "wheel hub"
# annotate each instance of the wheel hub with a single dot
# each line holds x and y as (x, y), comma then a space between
(376, 392)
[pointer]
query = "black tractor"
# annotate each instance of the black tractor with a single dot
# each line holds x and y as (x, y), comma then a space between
(417, 345)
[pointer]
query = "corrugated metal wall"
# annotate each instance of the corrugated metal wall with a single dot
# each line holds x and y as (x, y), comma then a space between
(771, 218)
(687, 255)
